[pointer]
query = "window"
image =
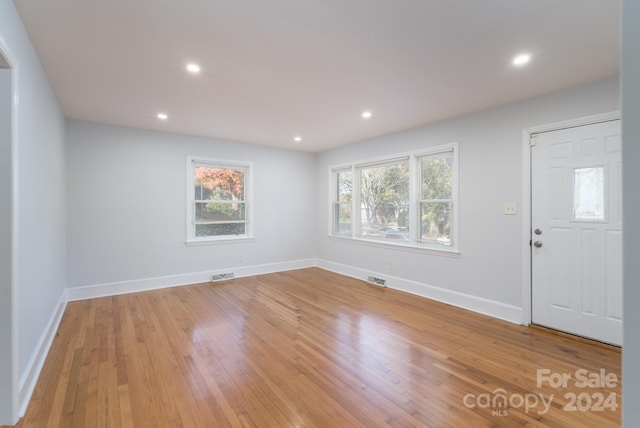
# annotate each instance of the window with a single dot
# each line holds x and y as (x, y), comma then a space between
(384, 200)
(218, 205)
(343, 191)
(588, 193)
(436, 198)
(408, 200)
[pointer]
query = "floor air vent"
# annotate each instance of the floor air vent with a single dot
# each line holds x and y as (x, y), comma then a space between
(221, 276)
(376, 281)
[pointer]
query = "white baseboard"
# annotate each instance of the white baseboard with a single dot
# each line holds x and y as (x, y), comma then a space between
(123, 287)
(34, 366)
(474, 303)
(466, 301)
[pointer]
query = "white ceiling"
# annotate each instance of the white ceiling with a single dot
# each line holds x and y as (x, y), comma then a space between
(273, 69)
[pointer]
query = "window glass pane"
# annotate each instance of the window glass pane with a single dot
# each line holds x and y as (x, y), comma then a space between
(435, 222)
(220, 211)
(588, 193)
(219, 199)
(220, 229)
(384, 199)
(436, 176)
(344, 181)
(343, 193)
(201, 193)
(221, 184)
(342, 219)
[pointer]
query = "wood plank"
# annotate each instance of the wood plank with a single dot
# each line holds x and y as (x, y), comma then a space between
(305, 348)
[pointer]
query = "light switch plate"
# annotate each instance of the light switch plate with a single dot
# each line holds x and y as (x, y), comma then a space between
(510, 208)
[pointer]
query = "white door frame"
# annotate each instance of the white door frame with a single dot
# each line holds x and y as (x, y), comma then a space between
(10, 58)
(526, 196)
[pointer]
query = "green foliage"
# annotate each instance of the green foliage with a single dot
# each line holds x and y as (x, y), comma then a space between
(385, 193)
(435, 211)
(224, 188)
(345, 186)
(436, 177)
(344, 181)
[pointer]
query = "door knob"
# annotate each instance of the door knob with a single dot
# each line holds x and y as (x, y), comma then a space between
(537, 244)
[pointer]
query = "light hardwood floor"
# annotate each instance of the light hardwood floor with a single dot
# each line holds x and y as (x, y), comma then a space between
(306, 348)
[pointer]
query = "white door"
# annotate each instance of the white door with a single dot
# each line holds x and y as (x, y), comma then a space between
(576, 218)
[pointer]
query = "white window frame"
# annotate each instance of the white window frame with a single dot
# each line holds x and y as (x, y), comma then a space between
(414, 202)
(192, 239)
(335, 202)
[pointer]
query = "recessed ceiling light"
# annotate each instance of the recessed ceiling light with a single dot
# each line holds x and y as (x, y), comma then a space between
(366, 114)
(521, 59)
(163, 116)
(193, 68)
(297, 139)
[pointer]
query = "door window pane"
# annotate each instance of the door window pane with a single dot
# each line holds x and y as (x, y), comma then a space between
(588, 193)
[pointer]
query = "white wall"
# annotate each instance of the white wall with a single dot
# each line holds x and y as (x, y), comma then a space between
(126, 205)
(490, 153)
(631, 151)
(39, 273)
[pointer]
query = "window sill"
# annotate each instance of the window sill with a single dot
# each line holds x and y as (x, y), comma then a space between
(398, 246)
(215, 241)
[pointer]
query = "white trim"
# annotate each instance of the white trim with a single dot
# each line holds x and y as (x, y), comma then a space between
(155, 283)
(225, 240)
(477, 304)
(480, 305)
(395, 156)
(15, 222)
(572, 123)
(371, 161)
(36, 362)
(415, 193)
(526, 195)
(10, 58)
(389, 245)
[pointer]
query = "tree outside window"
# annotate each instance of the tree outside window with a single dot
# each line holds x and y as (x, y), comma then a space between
(218, 208)
(436, 202)
(343, 202)
(384, 198)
